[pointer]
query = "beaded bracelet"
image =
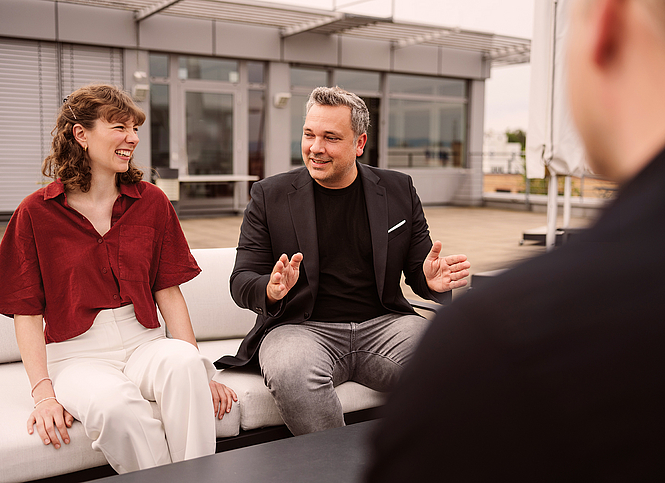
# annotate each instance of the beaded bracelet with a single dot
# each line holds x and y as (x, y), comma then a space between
(42, 400)
(32, 391)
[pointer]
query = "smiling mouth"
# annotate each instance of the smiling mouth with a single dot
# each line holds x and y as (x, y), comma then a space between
(124, 153)
(320, 161)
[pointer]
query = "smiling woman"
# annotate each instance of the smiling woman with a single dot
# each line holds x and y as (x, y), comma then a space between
(83, 109)
(84, 261)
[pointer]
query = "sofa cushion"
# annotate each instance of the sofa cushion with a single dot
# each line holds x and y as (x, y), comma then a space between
(23, 456)
(213, 312)
(8, 347)
(257, 407)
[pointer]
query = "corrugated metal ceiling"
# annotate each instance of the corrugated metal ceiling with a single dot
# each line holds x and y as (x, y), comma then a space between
(291, 20)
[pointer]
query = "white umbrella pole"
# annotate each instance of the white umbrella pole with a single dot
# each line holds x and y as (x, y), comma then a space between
(567, 198)
(552, 194)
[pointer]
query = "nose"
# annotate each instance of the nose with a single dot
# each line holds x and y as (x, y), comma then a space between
(317, 145)
(132, 137)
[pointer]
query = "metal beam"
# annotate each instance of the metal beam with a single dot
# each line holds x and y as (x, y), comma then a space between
(153, 9)
(307, 26)
(400, 44)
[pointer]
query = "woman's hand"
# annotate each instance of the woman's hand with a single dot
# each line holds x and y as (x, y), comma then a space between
(48, 416)
(222, 398)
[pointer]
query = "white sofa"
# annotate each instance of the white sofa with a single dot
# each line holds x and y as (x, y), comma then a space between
(219, 325)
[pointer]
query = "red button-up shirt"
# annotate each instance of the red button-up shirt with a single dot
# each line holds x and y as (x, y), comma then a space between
(53, 261)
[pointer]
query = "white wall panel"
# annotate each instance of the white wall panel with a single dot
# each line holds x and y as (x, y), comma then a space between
(28, 103)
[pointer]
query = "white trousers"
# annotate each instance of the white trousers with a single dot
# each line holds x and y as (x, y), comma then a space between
(106, 376)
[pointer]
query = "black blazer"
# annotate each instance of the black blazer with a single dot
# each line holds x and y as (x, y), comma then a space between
(553, 371)
(280, 218)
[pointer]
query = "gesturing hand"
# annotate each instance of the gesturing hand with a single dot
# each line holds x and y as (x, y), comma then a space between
(445, 273)
(48, 416)
(283, 277)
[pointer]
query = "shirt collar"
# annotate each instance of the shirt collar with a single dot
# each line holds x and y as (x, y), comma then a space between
(56, 188)
(131, 190)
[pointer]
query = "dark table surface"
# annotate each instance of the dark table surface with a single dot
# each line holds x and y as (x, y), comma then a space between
(336, 455)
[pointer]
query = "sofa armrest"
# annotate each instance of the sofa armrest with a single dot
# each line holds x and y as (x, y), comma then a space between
(425, 305)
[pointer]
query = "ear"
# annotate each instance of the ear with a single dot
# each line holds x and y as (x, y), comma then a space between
(80, 134)
(360, 144)
(608, 23)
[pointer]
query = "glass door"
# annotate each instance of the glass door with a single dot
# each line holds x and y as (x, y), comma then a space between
(209, 130)
(208, 144)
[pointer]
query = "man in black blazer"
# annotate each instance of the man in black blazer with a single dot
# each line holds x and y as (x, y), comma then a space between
(555, 371)
(321, 252)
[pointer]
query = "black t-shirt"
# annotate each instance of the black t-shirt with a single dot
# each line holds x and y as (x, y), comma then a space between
(347, 286)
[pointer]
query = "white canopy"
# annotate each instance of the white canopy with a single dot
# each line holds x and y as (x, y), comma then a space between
(552, 139)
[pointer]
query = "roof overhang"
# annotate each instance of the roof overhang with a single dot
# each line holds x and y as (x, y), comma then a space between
(291, 21)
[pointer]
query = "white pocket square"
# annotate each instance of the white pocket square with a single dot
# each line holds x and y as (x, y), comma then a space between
(397, 226)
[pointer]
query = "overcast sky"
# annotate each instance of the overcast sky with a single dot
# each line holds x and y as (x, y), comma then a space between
(507, 91)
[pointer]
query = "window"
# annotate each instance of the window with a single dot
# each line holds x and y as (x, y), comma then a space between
(358, 81)
(159, 65)
(256, 72)
(257, 120)
(298, 106)
(159, 125)
(428, 86)
(209, 127)
(427, 122)
(308, 78)
(204, 68)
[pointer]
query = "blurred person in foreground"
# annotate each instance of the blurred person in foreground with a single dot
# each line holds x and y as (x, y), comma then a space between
(83, 262)
(320, 255)
(555, 371)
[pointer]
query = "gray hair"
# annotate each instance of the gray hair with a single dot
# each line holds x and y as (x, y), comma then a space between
(336, 96)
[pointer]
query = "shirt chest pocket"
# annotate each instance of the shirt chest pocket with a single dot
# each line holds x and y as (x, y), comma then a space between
(136, 252)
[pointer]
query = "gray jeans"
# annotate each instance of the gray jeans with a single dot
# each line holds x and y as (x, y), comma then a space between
(301, 364)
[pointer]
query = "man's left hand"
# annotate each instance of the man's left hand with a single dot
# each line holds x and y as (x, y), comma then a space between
(445, 273)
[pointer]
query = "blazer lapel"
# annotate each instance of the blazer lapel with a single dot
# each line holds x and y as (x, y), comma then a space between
(377, 210)
(303, 216)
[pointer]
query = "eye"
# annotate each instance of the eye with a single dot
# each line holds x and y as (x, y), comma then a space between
(308, 135)
(332, 138)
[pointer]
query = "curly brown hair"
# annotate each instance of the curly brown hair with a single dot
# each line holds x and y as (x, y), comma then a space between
(67, 159)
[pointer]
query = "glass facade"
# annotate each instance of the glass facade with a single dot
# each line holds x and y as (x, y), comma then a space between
(209, 130)
(204, 68)
(427, 86)
(256, 73)
(427, 122)
(159, 65)
(308, 78)
(160, 126)
(298, 106)
(426, 134)
(257, 126)
(358, 81)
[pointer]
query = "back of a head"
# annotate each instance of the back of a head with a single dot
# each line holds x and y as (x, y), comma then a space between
(336, 96)
(656, 9)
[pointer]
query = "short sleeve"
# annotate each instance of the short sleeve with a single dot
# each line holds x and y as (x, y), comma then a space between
(21, 290)
(176, 263)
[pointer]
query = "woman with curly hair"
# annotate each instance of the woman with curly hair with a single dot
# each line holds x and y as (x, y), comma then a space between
(83, 261)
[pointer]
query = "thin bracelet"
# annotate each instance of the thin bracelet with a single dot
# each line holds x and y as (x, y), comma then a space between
(42, 400)
(32, 391)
